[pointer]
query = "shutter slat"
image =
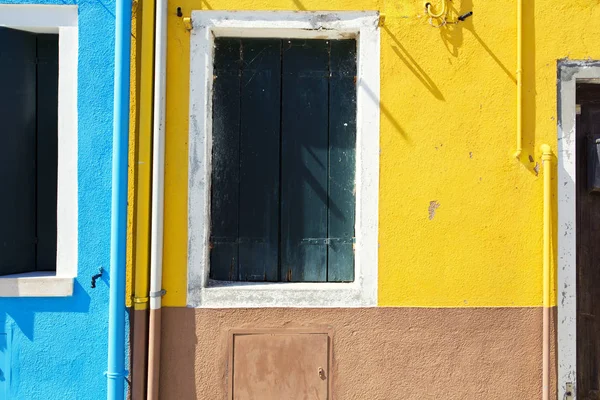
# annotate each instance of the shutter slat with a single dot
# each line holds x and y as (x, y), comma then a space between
(17, 151)
(225, 160)
(47, 149)
(259, 160)
(342, 160)
(304, 160)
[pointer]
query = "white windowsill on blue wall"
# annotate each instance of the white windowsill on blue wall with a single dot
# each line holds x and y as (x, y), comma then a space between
(36, 284)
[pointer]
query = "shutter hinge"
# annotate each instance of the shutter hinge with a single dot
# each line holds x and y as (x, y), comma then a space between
(187, 21)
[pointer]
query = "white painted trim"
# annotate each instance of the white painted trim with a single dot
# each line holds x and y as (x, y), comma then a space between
(35, 285)
(327, 25)
(570, 72)
(37, 16)
(61, 19)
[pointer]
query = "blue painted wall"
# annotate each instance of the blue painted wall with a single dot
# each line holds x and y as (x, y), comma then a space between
(57, 347)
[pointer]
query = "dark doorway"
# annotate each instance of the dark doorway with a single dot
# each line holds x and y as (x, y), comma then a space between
(588, 243)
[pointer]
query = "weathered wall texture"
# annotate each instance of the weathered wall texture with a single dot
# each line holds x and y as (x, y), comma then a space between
(460, 219)
(378, 353)
(57, 347)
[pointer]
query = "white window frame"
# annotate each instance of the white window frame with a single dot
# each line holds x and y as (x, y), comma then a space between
(61, 20)
(570, 73)
(364, 27)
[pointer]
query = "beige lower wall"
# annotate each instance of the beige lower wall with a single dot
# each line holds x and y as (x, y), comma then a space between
(378, 353)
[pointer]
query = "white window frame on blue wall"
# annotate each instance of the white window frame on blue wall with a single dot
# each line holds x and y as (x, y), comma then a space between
(61, 20)
(364, 26)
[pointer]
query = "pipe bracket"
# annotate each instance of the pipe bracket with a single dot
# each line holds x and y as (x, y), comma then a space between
(140, 300)
(160, 293)
(187, 23)
(116, 375)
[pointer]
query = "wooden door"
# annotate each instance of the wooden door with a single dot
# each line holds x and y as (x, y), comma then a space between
(588, 248)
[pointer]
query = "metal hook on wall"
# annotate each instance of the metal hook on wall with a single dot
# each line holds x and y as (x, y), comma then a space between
(95, 277)
(442, 16)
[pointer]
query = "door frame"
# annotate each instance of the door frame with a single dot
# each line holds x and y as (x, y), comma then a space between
(570, 72)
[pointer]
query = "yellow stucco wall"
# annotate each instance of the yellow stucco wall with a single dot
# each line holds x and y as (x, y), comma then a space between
(448, 118)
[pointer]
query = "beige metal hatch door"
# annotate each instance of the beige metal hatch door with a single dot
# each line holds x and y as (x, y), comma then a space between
(275, 365)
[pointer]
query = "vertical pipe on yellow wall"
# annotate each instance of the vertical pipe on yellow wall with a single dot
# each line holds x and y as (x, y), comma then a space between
(519, 78)
(144, 167)
(157, 212)
(547, 163)
(141, 277)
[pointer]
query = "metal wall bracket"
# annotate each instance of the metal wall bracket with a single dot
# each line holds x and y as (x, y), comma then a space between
(187, 23)
(160, 293)
(569, 391)
(140, 300)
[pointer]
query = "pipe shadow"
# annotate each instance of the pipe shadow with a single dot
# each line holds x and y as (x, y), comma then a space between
(299, 5)
(453, 37)
(385, 111)
(413, 66)
(529, 100)
(205, 5)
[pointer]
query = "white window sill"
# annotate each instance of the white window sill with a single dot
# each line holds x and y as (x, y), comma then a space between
(35, 284)
(259, 294)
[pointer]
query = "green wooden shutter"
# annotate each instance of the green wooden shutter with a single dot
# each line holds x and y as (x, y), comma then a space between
(283, 160)
(17, 151)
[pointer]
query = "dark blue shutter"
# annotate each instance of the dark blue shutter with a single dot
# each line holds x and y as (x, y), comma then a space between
(225, 160)
(342, 161)
(283, 160)
(47, 150)
(304, 137)
(28, 150)
(17, 151)
(259, 160)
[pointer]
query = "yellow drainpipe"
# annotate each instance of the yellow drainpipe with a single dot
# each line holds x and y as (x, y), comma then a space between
(143, 170)
(144, 167)
(519, 78)
(547, 163)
